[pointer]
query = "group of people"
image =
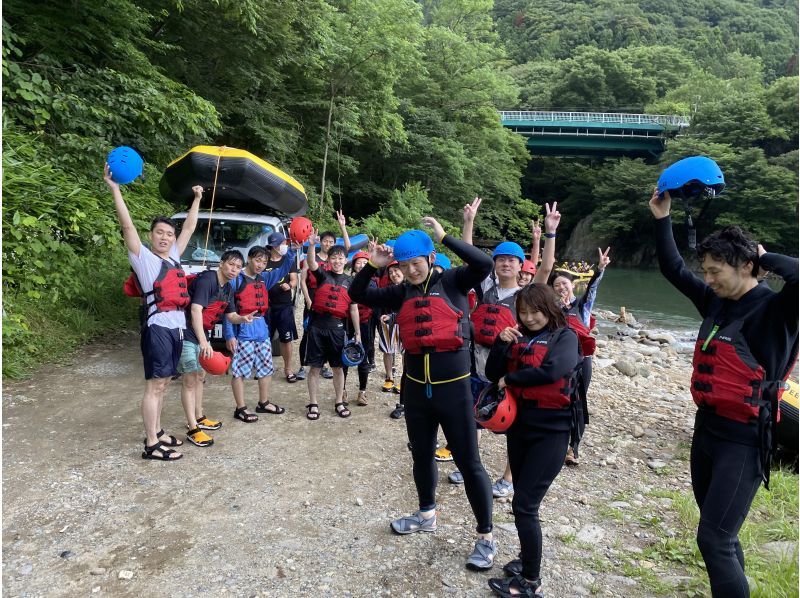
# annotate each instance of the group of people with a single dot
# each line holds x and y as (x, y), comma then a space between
(497, 327)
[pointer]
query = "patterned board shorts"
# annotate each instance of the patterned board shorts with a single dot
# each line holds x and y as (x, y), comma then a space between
(252, 355)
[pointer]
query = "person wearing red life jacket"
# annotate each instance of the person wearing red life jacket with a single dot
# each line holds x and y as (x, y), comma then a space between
(579, 316)
(281, 300)
(536, 361)
(746, 347)
(366, 319)
(389, 342)
(432, 317)
(326, 331)
(211, 302)
(251, 343)
(162, 281)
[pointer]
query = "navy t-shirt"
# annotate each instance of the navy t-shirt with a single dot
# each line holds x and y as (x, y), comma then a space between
(277, 296)
(204, 290)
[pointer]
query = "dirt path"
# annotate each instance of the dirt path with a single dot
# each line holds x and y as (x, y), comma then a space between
(290, 507)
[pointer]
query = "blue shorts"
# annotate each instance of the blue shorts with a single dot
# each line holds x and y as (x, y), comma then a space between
(250, 356)
(161, 351)
(190, 358)
(281, 318)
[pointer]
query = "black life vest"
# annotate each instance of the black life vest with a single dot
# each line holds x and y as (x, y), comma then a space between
(170, 289)
(332, 297)
(530, 353)
(428, 322)
(493, 315)
(727, 378)
(251, 296)
(586, 341)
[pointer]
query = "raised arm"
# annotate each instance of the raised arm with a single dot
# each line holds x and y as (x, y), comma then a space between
(360, 291)
(129, 232)
(343, 226)
(536, 239)
(786, 268)
(311, 256)
(470, 211)
(272, 277)
(191, 220)
(551, 221)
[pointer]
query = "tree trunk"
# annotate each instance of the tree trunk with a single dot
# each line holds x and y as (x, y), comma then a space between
(325, 157)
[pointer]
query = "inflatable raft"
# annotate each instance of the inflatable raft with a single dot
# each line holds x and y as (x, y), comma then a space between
(243, 181)
(357, 242)
(578, 276)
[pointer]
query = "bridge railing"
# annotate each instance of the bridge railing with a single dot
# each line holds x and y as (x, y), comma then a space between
(601, 117)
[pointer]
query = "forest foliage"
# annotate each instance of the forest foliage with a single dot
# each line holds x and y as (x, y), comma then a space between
(386, 108)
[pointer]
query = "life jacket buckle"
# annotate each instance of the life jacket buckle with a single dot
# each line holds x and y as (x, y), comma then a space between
(423, 332)
(422, 303)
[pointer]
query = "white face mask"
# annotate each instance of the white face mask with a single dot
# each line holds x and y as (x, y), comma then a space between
(283, 249)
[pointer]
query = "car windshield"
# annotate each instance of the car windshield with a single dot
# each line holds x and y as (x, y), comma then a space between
(224, 235)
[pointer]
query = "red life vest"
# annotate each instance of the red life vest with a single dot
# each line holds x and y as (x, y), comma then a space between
(586, 341)
(252, 296)
(429, 323)
(170, 289)
(492, 316)
(213, 312)
(530, 353)
(472, 299)
(726, 377)
(332, 297)
(311, 280)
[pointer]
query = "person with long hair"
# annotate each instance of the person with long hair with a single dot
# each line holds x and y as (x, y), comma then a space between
(536, 363)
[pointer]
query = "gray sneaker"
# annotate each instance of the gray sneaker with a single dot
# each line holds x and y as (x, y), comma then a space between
(482, 557)
(413, 523)
(301, 374)
(455, 477)
(501, 488)
(326, 373)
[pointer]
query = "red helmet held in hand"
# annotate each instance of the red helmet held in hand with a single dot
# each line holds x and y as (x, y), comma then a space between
(495, 409)
(300, 229)
(217, 364)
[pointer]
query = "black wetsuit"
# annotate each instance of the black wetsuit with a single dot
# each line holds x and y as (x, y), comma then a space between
(450, 403)
(728, 458)
(537, 440)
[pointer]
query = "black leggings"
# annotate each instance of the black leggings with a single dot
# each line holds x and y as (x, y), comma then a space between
(451, 408)
(535, 456)
(583, 407)
(304, 340)
(725, 478)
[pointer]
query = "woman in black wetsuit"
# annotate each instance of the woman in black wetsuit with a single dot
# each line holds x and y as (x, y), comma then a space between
(433, 320)
(536, 362)
(746, 347)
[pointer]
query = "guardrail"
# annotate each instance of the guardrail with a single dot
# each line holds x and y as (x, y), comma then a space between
(601, 117)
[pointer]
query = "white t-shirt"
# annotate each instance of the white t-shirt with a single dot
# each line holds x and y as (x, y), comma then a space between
(147, 266)
(481, 352)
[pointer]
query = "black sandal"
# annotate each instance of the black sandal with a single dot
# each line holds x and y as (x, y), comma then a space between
(166, 454)
(523, 588)
(262, 408)
(170, 440)
(312, 415)
(247, 418)
(341, 409)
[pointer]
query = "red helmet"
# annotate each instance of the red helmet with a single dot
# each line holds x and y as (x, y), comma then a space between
(393, 263)
(300, 229)
(495, 409)
(361, 254)
(217, 364)
(529, 267)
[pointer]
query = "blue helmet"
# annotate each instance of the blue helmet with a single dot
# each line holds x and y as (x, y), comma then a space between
(692, 176)
(125, 164)
(411, 244)
(390, 243)
(509, 248)
(352, 353)
(442, 261)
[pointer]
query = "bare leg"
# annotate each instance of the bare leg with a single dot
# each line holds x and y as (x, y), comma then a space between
(507, 473)
(189, 383)
(338, 384)
(313, 384)
(286, 353)
(154, 390)
(388, 360)
(263, 389)
(237, 385)
(198, 395)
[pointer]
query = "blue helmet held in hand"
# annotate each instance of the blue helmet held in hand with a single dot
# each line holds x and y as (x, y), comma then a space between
(411, 244)
(442, 261)
(353, 353)
(125, 165)
(509, 248)
(691, 177)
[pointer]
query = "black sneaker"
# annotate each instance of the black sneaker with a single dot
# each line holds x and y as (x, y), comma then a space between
(398, 412)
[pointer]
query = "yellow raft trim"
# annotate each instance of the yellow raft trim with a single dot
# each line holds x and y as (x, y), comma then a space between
(577, 275)
(792, 393)
(232, 152)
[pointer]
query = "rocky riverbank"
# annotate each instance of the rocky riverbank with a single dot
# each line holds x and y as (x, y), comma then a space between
(288, 507)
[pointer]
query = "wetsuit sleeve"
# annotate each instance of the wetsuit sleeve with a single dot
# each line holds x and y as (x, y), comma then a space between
(478, 264)
(786, 268)
(674, 269)
(202, 290)
(231, 307)
(273, 277)
(497, 361)
(319, 274)
(561, 359)
(586, 301)
(360, 291)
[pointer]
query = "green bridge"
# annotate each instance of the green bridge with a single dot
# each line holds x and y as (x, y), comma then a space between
(594, 134)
